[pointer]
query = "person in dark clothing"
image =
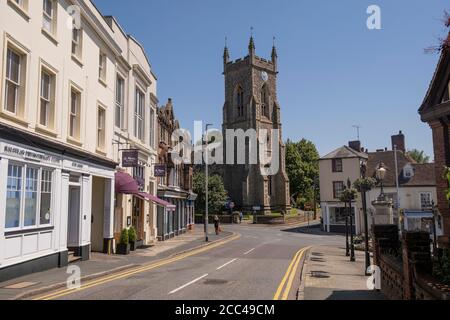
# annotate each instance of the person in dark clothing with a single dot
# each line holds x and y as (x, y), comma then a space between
(216, 224)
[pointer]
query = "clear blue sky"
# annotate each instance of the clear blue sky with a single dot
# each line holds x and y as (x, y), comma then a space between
(334, 72)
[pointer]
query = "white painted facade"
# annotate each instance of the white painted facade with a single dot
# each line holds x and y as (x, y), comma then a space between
(57, 104)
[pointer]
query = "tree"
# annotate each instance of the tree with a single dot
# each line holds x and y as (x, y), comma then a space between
(302, 166)
(418, 156)
(217, 193)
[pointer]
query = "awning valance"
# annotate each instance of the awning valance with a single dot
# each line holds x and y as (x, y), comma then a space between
(125, 184)
(157, 201)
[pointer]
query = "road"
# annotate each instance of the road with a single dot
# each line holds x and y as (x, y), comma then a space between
(262, 264)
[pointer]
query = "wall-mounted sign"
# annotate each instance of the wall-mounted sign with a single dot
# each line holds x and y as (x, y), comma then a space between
(130, 158)
(160, 170)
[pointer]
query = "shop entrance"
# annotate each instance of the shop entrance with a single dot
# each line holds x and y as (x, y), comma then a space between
(98, 213)
(73, 222)
(138, 217)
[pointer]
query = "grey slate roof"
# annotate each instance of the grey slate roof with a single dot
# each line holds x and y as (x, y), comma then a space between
(344, 152)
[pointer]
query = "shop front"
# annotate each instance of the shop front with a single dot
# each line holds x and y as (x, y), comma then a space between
(46, 207)
(128, 190)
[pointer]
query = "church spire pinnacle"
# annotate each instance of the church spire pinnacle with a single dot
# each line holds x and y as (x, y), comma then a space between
(251, 45)
(274, 55)
(226, 55)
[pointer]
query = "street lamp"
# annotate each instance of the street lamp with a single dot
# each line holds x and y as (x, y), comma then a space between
(381, 174)
(352, 244)
(206, 183)
(366, 222)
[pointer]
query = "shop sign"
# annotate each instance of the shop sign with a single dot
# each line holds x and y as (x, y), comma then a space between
(27, 154)
(130, 158)
(160, 170)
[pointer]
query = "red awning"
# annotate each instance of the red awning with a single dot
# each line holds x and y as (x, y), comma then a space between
(157, 201)
(125, 184)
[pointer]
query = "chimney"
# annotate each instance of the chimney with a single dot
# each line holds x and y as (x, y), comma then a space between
(399, 141)
(355, 145)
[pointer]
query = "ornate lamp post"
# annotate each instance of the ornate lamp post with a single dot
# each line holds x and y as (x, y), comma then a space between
(350, 199)
(381, 174)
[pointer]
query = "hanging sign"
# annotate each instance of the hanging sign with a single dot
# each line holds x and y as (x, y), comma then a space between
(130, 158)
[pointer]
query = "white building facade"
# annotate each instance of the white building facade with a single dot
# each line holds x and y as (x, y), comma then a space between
(60, 133)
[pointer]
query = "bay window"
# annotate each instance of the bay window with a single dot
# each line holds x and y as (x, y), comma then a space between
(28, 196)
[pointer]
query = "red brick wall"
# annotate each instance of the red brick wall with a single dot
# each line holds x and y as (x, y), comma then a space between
(441, 156)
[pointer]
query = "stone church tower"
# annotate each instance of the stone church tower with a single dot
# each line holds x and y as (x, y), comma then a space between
(251, 103)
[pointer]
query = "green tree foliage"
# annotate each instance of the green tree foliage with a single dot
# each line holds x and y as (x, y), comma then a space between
(302, 166)
(217, 193)
(418, 156)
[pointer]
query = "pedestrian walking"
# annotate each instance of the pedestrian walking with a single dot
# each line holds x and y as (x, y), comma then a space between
(241, 216)
(217, 224)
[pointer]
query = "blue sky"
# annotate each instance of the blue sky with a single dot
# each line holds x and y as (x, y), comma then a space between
(334, 72)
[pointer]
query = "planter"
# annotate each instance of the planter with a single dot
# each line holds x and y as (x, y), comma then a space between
(136, 245)
(123, 249)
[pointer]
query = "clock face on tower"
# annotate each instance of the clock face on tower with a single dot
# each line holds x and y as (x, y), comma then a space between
(264, 76)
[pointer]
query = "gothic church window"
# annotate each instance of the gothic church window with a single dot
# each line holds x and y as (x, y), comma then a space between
(264, 101)
(240, 102)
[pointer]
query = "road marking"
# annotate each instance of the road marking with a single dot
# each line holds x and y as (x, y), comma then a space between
(229, 262)
(188, 284)
(128, 273)
(249, 251)
(290, 274)
(291, 277)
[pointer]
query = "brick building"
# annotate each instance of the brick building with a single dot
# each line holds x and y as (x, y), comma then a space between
(176, 185)
(435, 110)
(251, 103)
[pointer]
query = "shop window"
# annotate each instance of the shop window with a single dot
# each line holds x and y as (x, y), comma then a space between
(28, 197)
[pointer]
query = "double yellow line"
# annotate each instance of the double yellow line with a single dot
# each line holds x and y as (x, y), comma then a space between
(125, 274)
(289, 277)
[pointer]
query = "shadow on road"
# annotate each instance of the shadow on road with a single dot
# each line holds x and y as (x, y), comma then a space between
(313, 229)
(352, 295)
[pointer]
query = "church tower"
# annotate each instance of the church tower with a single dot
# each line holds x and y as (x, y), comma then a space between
(251, 103)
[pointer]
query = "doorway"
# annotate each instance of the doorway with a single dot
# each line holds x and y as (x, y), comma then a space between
(138, 217)
(98, 213)
(73, 221)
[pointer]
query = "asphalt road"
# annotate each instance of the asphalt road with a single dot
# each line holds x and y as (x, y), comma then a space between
(251, 267)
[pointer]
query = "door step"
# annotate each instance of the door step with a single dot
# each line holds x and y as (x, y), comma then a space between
(72, 258)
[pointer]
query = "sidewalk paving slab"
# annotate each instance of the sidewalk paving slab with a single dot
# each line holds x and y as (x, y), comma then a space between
(102, 264)
(329, 275)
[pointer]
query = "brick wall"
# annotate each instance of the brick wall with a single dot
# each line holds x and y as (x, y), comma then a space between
(406, 276)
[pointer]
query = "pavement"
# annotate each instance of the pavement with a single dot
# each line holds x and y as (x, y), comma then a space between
(101, 265)
(329, 275)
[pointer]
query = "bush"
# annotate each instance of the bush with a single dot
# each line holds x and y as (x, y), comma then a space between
(442, 268)
(124, 237)
(132, 235)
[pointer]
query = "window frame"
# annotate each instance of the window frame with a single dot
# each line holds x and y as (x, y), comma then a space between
(102, 67)
(335, 193)
(101, 128)
(335, 168)
(429, 196)
(139, 114)
(79, 93)
(52, 19)
(52, 73)
(120, 104)
(21, 99)
(23, 190)
(78, 43)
